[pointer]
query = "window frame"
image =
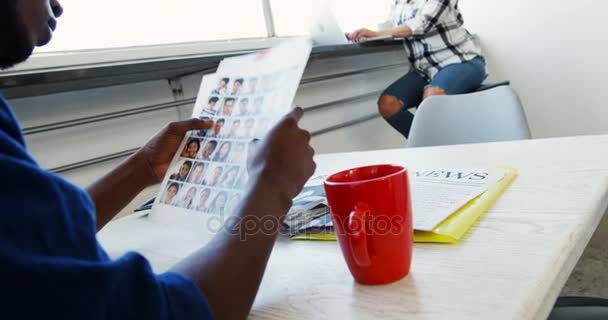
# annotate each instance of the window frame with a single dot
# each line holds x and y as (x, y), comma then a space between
(49, 61)
(71, 60)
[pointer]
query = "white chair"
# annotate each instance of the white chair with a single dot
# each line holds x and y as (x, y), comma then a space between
(486, 116)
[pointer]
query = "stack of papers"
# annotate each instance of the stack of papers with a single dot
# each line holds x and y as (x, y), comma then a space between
(445, 204)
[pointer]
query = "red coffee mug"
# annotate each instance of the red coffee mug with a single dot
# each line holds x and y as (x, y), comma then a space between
(372, 215)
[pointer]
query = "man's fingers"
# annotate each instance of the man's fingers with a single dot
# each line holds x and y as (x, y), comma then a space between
(181, 127)
(297, 113)
(253, 144)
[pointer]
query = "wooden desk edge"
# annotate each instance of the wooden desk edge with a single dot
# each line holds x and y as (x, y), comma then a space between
(580, 241)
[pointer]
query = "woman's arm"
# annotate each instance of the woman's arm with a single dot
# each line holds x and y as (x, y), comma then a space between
(145, 168)
(398, 32)
(427, 18)
(229, 270)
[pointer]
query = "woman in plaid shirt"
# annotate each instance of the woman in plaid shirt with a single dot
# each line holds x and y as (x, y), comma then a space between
(445, 59)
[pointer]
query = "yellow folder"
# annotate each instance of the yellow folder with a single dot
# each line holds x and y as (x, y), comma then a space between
(455, 227)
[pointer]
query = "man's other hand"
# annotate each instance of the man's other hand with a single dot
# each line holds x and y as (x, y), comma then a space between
(159, 151)
(284, 159)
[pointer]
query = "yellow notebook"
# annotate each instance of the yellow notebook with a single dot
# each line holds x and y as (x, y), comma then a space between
(455, 227)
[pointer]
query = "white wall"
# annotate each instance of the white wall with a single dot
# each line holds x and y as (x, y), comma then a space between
(556, 55)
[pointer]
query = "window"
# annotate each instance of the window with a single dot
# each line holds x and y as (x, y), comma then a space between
(292, 17)
(94, 24)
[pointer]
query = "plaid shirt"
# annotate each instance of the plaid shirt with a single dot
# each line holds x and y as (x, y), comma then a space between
(439, 38)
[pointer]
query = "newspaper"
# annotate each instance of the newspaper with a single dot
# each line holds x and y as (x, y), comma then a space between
(436, 195)
(245, 98)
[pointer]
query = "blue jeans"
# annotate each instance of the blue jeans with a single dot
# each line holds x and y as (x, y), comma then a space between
(453, 79)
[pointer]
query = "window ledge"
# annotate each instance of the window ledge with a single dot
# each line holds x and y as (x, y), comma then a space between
(68, 71)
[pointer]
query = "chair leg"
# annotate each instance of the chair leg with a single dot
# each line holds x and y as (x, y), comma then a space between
(580, 308)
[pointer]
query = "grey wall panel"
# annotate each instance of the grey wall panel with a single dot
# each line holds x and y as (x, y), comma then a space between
(311, 94)
(340, 113)
(334, 65)
(191, 85)
(42, 110)
(85, 176)
(61, 147)
(369, 135)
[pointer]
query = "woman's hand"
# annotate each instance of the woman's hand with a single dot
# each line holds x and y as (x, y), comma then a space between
(157, 154)
(361, 34)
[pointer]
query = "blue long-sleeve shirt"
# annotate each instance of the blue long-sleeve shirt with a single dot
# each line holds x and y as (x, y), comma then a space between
(51, 265)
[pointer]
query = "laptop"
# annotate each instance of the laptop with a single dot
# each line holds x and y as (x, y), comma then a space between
(325, 31)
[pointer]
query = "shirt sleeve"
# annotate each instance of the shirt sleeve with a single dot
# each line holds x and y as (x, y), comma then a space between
(74, 289)
(427, 18)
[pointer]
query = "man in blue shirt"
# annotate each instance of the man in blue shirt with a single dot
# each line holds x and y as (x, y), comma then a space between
(51, 265)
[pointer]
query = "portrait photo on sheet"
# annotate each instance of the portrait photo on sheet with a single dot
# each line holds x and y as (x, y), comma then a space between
(181, 170)
(171, 191)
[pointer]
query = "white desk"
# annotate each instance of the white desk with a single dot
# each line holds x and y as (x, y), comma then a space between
(512, 266)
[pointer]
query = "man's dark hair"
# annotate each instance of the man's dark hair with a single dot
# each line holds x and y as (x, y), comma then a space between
(213, 143)
(173, 185)
(230, 99)
(222, 121)
(240, 80)
(214, 100)
(226, 80)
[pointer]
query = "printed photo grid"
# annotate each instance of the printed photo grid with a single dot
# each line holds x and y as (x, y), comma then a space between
(211, 171)
(245, 98)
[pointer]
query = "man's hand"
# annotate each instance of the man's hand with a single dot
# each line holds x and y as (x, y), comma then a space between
(361, 34)
(159, 151)
(143, 169)
(284, 160)
(233, 264)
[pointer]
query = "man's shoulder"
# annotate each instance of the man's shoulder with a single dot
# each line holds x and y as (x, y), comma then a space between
(11, 138)
(5, 111)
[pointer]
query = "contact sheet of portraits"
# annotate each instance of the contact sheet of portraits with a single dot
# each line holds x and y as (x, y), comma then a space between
(245, 98)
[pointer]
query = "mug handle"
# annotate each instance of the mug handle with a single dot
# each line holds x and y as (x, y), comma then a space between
(357, 239)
